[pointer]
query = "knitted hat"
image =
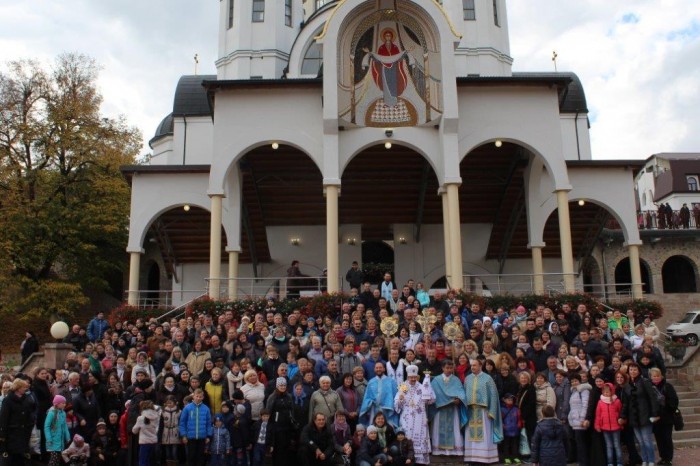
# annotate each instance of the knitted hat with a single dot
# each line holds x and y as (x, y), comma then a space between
(101, 422)
(78, 440)
(371, 429)
(360, 428)
(58, 399)
(281, 382)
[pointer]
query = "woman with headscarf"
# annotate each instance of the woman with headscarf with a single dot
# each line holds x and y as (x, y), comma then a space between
(281, 408)
(142, 364)
(342, 436)
(301, 404)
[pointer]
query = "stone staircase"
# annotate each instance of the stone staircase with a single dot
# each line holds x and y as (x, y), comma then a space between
(690, 408)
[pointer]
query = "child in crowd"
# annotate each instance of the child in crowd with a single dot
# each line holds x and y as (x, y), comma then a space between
(73, 420)
(77, 453)
(235, 377)
(170, 436)
(220, 445)
(401, 449)
(549, 441)
(239, 429)
(511, 430)
(262, 438)
(56, 430)
(147, 425)
(360, 432)
(607, 417)
(371, 451)
(105, 446)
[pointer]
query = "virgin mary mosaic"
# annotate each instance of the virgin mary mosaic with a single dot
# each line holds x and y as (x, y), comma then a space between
(385, 76)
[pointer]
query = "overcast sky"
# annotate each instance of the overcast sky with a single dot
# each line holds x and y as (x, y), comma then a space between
(639, 60)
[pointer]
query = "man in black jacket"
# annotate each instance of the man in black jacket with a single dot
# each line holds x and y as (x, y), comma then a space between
(354, 276)
(316, 443)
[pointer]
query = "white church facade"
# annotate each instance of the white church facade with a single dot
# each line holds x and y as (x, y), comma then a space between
(334, 124)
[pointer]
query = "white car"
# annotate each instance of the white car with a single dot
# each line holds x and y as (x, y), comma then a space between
(687, 328)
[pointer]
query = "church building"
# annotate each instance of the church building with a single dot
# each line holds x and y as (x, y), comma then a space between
(336, 128)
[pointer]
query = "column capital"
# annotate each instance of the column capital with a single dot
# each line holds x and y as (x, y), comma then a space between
(441, 191)
(452, 180)
(565, 188)
(331, 182)
(632, 243)
(216, 194)
(536, 245)
(233, 249)
(137, 251)
(325, 188)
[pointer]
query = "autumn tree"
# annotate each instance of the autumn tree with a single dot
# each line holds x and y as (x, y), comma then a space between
(64, 205)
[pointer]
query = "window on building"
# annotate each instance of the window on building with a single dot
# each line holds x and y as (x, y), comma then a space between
(496, 21)
(644, 199)
(258, 11)
(311, 65)
(469, 9)
(230, 14)
(288, 12)
(320, 3)
(692, 182)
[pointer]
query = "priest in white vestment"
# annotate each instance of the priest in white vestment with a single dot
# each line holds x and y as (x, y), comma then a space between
(411, 402)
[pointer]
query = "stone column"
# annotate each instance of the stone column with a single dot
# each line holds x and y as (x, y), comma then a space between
(537, 269)
(567, 254)
(446, 232)
(233, 273)
(134, 269)
(215, 246)
(455, 235)
(332, 192)
(636, 271)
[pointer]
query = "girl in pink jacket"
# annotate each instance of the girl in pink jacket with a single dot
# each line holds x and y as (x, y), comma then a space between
(607, 421)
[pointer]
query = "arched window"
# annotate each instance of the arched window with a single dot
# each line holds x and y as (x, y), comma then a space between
(678, 275)
(692, 183)
(312, 60)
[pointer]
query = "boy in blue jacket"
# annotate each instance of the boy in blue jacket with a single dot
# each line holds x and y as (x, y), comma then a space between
(196, 428)
(511, 430)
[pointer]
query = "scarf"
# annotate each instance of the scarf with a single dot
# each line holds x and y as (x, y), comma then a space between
(381, 435)
(608, 399)
(342, 429)
(299, 400)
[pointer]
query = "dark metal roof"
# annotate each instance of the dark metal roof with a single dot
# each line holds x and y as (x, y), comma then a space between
(165, 128)
(191, 96)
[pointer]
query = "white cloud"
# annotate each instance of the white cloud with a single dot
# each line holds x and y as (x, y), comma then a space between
(638, 59)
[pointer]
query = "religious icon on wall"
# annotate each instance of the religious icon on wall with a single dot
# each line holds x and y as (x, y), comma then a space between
(385, 76)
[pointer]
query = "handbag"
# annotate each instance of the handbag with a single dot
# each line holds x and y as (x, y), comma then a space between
(524, 447)
(678, 423)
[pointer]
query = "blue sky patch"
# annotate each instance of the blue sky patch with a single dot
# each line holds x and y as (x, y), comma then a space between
(629, 18)
(690, 32)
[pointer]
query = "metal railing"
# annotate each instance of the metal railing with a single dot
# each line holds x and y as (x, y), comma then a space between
(511, 283)
(150, 299)
(272, 287)
(180, 310)
(668, 220)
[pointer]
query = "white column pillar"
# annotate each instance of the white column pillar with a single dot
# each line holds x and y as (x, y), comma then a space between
(567, 254)
(537, 269)
(332, 192)
(636, 271)
(455, 235)
(446, 232)
(215, 246)
(134, 268)
(233, 273)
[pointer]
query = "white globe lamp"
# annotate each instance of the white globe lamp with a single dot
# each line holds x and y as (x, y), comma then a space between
(59, 330)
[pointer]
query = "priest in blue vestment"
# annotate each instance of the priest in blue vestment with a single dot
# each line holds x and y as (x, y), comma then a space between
(484, 425)
(449, 413)
(379, 396)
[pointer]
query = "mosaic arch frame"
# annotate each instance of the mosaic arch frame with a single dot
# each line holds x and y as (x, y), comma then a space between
(389, 67)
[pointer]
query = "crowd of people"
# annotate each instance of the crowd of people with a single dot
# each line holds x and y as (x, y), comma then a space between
(487, 385)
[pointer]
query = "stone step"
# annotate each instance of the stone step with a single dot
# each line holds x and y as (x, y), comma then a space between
(685, 410)
(691, 418)
(685, 443)
(686, 434)
(685, 402)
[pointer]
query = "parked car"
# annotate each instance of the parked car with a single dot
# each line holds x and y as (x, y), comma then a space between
(687, 328)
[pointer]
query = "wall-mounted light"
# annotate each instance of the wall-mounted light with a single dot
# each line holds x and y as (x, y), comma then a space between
(351, 241)
(581, 202)
(295, 241)
(389, 132)
(402, 240)
(387, 145)
(498, 143)
(275, 146)
(186, 207)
